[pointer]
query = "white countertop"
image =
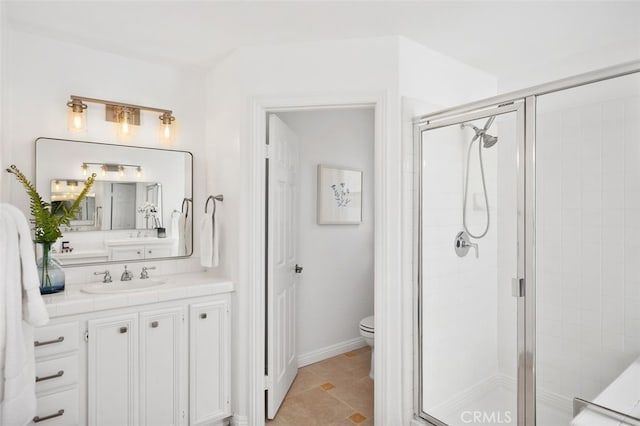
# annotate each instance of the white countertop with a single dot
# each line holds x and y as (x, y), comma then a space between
(179, 286)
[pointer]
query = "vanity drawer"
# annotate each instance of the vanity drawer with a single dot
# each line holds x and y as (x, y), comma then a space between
(56, 339)
(55, 373)
(57, 409)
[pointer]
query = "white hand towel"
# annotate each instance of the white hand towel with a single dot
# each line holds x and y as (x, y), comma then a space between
(216, 249)
(206, 241)
(34, 309)
(21, 306)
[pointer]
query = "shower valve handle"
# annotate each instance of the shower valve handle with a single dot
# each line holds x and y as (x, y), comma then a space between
(462, 244)
(475, 246)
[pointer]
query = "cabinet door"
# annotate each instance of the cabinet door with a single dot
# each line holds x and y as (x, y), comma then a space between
(156, 250)
(162, 367)
(126, 253)
(209, 361)
(113, 371)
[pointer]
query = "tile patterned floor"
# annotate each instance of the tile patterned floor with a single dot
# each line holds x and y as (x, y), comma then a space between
(333, 392)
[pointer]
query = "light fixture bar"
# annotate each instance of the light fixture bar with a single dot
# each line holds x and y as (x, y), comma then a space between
(120, 104)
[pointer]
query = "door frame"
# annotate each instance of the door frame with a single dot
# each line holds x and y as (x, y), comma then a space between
(387, 242)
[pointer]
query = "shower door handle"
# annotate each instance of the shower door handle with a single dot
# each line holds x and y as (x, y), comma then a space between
(298, 269)
(517, 287)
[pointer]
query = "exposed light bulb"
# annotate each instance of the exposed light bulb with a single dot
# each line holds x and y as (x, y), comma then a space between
(77, 117)
(121, 171)
(84, 167)
(104, 170)
(139, 171)
(167, 130)
(57, 185)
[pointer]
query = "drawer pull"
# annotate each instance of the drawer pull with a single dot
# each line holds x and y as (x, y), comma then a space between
(154, 324)
(38, 419)
(48, 342)
(53, 376)
(203, 316)
(123, 330)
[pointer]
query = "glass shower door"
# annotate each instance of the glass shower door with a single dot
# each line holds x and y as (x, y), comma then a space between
(468, 257)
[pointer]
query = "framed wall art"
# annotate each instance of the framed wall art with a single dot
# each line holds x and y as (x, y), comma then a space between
(339, 196)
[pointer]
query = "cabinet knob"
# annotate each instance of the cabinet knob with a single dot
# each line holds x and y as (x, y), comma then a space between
(203, 316)
(154, 324)
(138, 252)
(150, 252)
(123, 330)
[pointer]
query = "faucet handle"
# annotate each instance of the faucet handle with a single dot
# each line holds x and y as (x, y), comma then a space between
(106, 278)
(145, 272)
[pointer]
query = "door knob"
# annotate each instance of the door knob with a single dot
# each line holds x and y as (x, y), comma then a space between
(298, 269)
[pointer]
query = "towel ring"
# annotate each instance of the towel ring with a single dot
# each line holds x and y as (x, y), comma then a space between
(182, 209)
(213, 198)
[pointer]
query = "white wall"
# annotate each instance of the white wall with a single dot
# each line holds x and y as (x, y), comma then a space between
(335, 290)
(588, 204)
(305, 70)
(3, 76)
(42, 73)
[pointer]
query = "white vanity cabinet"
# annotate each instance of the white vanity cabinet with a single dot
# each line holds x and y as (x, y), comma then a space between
(209, 362)
(137, 358)
(57, 374)
(113, 371)
(121, 251)
(166, 362)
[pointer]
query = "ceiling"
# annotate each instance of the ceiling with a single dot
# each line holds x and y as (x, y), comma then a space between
(498, 37)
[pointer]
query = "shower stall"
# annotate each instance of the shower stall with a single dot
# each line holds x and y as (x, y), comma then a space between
(528, 249)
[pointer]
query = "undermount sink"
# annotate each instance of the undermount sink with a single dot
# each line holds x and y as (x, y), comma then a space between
(122, 286)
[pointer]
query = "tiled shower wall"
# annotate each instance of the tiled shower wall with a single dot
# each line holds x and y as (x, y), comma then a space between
(588, 243)
(459, 301)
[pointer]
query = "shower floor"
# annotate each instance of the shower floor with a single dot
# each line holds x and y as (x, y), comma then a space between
(498, 405)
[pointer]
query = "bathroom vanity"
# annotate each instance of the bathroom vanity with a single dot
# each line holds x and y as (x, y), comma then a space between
(156, 356)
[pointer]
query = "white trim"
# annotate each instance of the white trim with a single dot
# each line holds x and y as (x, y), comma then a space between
(500, 380)
(387, 171)
(330, 351)
(240, 420)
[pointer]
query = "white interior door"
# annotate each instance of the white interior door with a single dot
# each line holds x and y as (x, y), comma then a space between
(282, 364)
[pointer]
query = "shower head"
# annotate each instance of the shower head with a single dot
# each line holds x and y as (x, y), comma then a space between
(487, 140)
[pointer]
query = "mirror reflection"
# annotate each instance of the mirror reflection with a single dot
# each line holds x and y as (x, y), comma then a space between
(139, 208)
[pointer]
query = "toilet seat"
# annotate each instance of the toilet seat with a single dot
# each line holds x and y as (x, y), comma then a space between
(367, 325)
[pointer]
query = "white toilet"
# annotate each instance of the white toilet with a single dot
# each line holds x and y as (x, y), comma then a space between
(367, 331)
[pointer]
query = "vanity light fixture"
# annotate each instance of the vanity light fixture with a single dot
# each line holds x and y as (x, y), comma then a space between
(77, 118)
(125, 115)
(166, 131)
(114, 168)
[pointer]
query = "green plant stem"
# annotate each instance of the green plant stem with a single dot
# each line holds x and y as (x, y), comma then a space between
(45, 279)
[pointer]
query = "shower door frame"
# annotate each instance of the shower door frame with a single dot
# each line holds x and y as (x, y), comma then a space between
(519, 107)
(526, 225)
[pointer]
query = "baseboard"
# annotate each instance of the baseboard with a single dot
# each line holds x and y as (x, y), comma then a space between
(240, 420)
(462, 399)
(330, 351)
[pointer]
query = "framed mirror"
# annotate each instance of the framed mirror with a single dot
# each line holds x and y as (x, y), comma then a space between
(138, 209)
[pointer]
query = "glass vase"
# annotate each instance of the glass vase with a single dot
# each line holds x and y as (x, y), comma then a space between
(50, 271)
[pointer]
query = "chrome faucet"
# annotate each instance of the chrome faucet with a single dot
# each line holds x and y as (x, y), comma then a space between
(126, 275)
(145, 272)
(106, 278)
